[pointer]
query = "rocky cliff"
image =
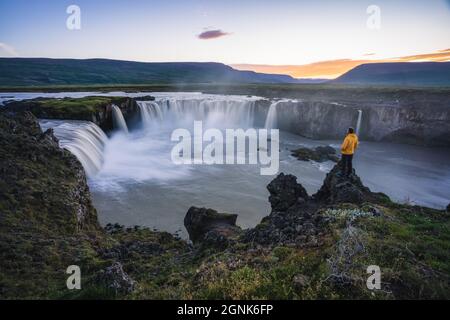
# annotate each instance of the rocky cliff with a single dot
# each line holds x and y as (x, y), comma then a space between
(421, 124)
(97, 109)
(40, 181)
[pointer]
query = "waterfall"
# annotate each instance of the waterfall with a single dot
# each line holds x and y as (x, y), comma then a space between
(271, 119)
(118, 119)
(217, 113)
(84, 139)
(358, 123)
(149, 111)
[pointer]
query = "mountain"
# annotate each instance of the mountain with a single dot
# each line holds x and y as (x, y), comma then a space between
(399, 74)
(44, 72)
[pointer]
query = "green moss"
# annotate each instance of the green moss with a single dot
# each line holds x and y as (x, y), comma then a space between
(71, 108)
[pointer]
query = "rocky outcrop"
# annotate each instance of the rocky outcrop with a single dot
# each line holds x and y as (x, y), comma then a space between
(208, 227)
(47, 219)
(293, 220)
(39, 177)
(319, 154)
(338, 188)
(296, 218)
(285, 192)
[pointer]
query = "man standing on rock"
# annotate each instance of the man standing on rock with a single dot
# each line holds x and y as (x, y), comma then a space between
(348, 148)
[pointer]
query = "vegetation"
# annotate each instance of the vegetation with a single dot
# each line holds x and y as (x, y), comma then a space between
(43, 71)
(67, 108)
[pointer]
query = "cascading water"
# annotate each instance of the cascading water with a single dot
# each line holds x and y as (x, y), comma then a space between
(118, 119)
(358, 123)
(271, 119)
(150, 111)
(213, 113)
(82, 138)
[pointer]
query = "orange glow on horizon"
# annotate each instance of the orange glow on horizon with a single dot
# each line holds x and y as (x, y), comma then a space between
(334, 68)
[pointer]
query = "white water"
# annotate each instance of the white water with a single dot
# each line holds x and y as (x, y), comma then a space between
(143, 154)
(214, 112)
(150, 111)
(271, 120)
(358, 123)
(83, 138)
(118, 119)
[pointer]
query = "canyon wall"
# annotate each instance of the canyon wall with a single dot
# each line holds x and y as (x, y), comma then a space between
(411, 124)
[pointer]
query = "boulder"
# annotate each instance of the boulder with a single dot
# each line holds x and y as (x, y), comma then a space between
(207, 226)
(286, 192)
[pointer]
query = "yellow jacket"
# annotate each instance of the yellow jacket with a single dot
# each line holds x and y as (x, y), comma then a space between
(350, 144)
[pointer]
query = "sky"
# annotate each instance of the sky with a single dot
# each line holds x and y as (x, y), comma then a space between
(301, 38)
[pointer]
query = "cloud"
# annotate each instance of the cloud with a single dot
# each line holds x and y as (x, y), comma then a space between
(212, 34)
(334, 68)
(438, 56)
(7, 50)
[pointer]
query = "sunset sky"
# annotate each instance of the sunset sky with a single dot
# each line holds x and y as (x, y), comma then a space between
(305, 39)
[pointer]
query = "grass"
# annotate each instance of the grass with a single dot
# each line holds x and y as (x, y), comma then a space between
(72, 108)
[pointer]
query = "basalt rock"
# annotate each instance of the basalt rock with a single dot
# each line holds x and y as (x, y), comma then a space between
(293, 220)
(209, 227)
(339, 188)
(418, 118)
(285, 192)
(319, 154)
(296, 218)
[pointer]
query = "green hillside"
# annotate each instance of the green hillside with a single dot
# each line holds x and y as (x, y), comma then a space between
(43, 72)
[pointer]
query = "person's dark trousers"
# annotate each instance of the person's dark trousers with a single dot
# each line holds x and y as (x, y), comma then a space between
(347, 166)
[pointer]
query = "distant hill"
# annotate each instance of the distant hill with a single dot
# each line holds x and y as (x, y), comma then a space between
(399, 74)
(47, 72)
